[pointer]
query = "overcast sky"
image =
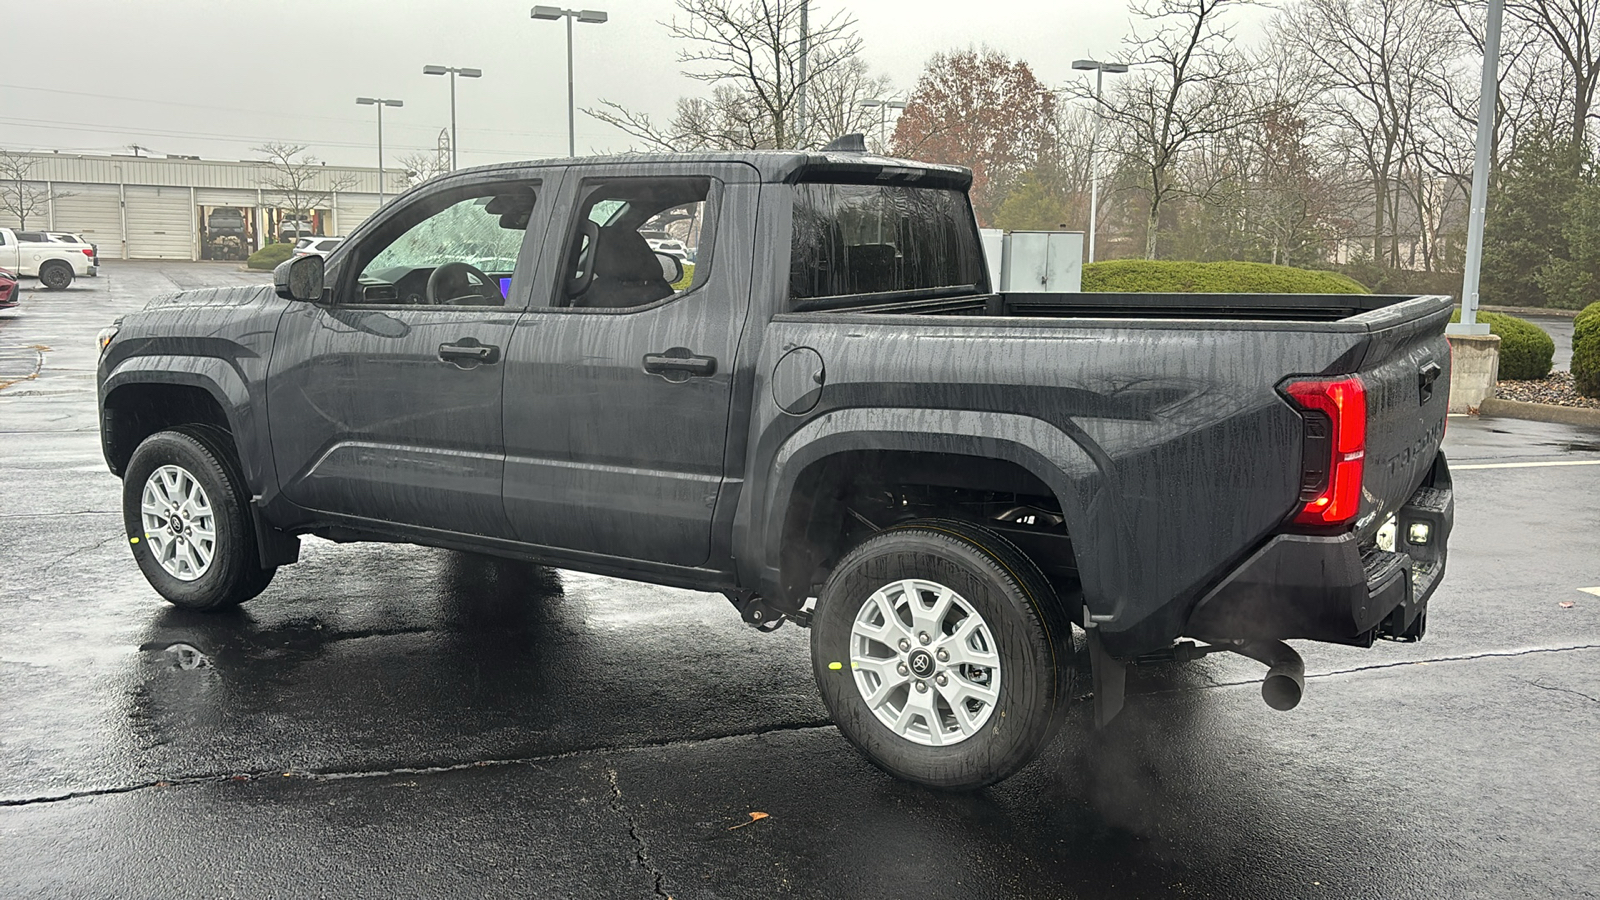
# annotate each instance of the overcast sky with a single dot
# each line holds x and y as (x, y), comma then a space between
(216, 77)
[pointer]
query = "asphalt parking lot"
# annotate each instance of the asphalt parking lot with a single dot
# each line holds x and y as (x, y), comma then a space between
(390, 721)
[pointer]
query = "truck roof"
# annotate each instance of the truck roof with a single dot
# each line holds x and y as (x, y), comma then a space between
(771, 166)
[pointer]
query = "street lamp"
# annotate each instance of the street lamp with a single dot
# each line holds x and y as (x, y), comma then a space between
(883, 107)
(590, 16)
(1481, 159)
(1100, 69)
(452, 71)
(380, 103)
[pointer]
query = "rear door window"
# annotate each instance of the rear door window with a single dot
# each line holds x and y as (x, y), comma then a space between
(855, 239)
(615, 260)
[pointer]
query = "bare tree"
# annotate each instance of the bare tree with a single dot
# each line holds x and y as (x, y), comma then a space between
(1378, 64)
(302, 182)
(421, 166)
(17, 196)
(1186, 88)
(750, 53)
(1572, 28)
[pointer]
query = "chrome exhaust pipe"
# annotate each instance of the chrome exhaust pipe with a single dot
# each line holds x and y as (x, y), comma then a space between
(1285, 683)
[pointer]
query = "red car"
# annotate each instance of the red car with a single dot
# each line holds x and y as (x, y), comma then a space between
(8, 290)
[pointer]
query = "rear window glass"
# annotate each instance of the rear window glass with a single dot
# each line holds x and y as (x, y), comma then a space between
(853, 239)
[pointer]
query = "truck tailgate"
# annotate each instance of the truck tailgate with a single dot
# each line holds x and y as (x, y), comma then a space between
(1406, 374)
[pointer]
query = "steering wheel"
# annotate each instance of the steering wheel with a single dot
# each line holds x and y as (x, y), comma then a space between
(452, 283)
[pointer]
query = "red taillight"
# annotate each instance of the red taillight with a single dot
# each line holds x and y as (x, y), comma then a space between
(1332, 486)
(89, 252)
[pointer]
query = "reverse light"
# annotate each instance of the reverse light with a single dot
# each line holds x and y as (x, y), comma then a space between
(1335, 413)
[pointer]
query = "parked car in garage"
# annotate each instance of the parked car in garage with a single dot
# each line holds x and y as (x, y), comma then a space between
(225, 220)
(55, 264)
(316, 246)
(290, 229)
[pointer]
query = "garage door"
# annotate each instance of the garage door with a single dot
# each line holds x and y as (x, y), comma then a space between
(92, 210)
(352, 210)
(160, 223)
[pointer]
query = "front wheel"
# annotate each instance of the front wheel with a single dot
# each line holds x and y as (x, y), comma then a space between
(183, 504)
(942, 654)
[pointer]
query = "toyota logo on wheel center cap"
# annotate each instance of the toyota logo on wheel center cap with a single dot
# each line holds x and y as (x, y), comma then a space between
(921, 662)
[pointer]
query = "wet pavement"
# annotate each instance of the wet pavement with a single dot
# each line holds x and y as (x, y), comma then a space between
(1560, 330)
(389, 721)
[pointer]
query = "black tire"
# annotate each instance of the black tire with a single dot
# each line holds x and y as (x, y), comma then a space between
(55, 275)
(234, 573)
(1032, 638)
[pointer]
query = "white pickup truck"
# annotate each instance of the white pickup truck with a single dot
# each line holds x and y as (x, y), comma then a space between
(54, 263)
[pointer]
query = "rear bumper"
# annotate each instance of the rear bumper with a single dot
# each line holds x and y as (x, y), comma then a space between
(1330, 588)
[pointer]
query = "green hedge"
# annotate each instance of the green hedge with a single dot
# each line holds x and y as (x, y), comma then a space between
(1526, 351)
(1138, 276)
(269, 256)
(1586, 351)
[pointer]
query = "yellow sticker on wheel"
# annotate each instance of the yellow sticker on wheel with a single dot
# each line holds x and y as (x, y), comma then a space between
(133, 540)
(835, 666)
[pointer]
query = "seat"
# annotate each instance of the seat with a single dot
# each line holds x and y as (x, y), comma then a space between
(626, 272)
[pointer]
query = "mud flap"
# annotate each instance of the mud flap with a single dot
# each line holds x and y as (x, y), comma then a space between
(274, 548)
(1110, 680)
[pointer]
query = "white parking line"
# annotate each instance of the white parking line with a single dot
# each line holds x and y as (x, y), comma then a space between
(1594, 590)
(1529, 465)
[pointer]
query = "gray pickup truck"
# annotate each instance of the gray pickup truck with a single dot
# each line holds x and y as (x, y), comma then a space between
(829, 417)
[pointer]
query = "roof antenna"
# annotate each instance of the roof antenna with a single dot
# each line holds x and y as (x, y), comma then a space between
(847, 143)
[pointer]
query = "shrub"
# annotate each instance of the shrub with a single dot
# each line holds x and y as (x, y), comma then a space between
(1586, 351)
(1137, 276)
(1526, 351)
(269, 256)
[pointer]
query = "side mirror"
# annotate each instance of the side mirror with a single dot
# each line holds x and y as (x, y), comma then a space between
(299, 278)
(671, 267)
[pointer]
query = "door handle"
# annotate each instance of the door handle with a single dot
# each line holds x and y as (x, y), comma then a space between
(680, 364)
(467, 353)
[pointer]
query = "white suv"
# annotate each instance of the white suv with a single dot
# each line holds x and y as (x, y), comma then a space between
(316, 246)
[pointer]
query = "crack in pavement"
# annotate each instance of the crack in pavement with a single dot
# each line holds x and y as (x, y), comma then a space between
(641, 854)
(1561, 690)
(1491, 654)
(90, 549)
(440, 769)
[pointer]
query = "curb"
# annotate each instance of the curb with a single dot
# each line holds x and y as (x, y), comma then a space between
(1541, 412)
(1531, 311)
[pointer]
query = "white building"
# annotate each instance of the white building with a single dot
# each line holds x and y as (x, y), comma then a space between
(145, 207)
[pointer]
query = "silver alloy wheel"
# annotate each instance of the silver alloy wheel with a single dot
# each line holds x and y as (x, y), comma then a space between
(925, 662)
(178, 522)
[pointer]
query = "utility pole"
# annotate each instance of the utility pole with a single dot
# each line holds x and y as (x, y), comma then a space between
(805, 64)
(590, 16)
(380, 103)
(1099, 69)
(452, 71)
(1480, 175)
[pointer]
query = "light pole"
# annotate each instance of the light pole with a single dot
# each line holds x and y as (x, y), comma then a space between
(591, 16)
(1100, 69)
(380, 103)
(1480, 176)
(883, 107)
(453, 72)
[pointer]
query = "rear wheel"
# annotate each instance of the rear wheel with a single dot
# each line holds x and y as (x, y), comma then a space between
(942, 654)
(184, 507)
(55, 275)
